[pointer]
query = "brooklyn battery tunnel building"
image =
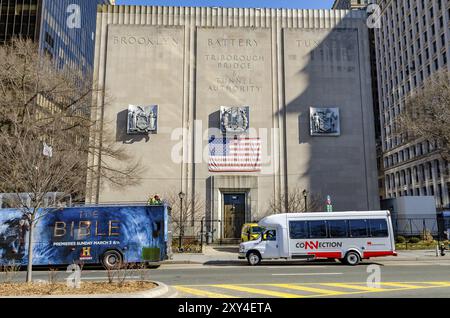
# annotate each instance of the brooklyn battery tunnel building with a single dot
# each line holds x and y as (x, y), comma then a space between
(237, 107)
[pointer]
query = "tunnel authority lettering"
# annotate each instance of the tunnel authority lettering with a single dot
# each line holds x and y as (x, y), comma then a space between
(317, 245)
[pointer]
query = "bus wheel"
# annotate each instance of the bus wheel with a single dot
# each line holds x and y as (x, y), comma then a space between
(254, 258)
(112, 259)
(352, 258)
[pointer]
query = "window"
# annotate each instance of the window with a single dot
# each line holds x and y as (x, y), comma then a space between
(298, 230)
(358, 228)
(317, 229)
(271, 235)
(378, 228)
(257, 229)
(337, 228)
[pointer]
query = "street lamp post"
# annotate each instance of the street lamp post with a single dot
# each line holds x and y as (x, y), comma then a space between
(305, 196)
(181, 196)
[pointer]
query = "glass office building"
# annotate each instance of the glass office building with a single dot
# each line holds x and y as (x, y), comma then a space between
(64, 29)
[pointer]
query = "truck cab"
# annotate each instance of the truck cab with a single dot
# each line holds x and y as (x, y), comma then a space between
(266, 245)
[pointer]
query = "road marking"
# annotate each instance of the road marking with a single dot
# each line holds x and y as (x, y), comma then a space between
(443, 284)
(401, 285)
(348, 286)
(202, 293)
(292, 266)
(327, 292)
(258, 291)
(306, 274)
(307, 287)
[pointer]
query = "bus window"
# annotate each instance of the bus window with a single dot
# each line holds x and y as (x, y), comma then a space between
(337, 228)
(298, 230)
(318, 229)
(358, 228)
(378, 228)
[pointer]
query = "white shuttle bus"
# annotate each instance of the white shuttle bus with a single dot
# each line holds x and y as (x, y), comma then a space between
(347, 236)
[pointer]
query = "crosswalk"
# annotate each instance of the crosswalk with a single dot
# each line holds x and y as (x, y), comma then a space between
(306, 290)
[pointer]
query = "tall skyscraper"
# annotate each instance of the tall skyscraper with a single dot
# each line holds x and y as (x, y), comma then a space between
(64, 29)
(411, 44)
(20, 17)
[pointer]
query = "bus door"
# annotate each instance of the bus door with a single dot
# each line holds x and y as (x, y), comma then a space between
(271, 241)
(379, 240)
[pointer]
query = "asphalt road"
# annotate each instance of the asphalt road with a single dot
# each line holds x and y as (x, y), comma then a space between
(287, 280)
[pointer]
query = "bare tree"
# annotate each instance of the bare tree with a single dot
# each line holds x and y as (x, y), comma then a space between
(427, 114)
(189, 216)
(46, 133)
(294, 201)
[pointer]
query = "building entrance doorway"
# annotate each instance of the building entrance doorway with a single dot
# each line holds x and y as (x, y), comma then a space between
(234, 214)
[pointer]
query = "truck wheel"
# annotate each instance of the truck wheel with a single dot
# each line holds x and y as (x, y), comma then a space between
(112, 259)
(352, 258)
(254, 258)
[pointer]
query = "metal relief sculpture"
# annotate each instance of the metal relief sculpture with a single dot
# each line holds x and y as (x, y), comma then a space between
(324, 121)
(142, 119)
(234, 119)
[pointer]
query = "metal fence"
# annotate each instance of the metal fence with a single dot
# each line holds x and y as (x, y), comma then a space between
(415, 226)
(192, 235)
(420, 227)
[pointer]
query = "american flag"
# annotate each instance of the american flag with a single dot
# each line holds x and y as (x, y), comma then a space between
(234, 155)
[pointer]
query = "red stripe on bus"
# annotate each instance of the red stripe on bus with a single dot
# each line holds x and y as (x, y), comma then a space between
(326, 254)
(378, 254)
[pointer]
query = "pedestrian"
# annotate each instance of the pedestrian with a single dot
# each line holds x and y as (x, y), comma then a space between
(155, 200)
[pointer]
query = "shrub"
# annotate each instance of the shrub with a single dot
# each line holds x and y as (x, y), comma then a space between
(400, 239)
(427, 236)
(414, 240)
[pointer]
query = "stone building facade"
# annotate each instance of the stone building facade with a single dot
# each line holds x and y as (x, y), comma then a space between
(303, 75)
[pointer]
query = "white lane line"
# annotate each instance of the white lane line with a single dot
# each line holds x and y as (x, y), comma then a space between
(306, 274)
(295, 266)
(169, 267)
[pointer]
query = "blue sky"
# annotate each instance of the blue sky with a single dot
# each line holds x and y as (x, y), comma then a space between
(303, 4)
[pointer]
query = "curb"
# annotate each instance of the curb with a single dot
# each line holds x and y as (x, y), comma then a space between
(381, 260)
(416, 259)
(181, 262)
(159, 292)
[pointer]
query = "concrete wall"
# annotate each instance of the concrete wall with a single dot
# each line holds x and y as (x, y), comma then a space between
(191, 61)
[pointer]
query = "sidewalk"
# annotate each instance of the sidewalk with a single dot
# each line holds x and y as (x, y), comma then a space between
(228, 254)
(211, 254)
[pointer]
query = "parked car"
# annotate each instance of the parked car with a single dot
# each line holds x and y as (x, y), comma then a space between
(251, 231)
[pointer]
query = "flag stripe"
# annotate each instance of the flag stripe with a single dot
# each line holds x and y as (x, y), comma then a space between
(235, 155)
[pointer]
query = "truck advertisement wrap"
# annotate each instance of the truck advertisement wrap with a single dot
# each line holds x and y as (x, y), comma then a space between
(84, 234)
